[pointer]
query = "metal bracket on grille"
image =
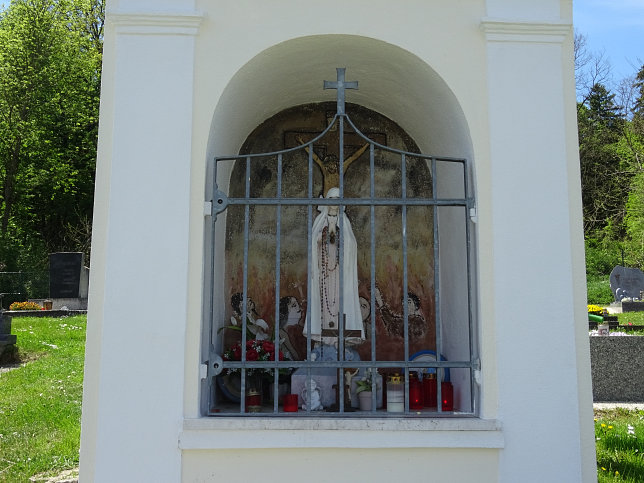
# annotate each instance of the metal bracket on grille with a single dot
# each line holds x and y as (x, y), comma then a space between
(217, 364)
(220, 203)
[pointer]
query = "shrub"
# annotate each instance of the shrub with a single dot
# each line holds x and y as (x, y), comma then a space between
(602, 256)
(599, 291)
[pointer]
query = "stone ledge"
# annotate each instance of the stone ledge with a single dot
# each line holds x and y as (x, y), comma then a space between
(617, 364)
(632, 306)
(214, 433)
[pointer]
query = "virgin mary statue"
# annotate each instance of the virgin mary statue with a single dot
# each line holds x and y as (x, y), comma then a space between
(324, 279)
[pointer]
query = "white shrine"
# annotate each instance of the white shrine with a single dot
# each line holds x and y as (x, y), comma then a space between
(185, 81)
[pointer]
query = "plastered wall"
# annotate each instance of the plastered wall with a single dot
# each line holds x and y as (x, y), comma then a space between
(187, 80)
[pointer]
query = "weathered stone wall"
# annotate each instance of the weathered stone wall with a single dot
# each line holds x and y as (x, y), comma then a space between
(617, 366)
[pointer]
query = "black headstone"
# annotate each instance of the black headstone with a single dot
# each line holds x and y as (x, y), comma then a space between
(65, 274)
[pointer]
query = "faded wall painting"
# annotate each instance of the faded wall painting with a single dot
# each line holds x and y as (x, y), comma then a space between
(294, 127)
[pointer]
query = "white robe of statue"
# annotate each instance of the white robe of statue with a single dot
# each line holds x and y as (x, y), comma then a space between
(324, 280)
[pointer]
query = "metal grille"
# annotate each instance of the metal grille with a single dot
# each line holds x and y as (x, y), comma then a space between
(443, 207)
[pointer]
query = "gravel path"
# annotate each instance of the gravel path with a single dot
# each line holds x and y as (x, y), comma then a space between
(613, 405)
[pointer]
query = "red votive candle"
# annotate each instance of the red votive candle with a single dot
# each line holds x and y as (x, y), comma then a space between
(290, 403)
(415, 393)
(253, 402)
(447, 393)
(429, 391)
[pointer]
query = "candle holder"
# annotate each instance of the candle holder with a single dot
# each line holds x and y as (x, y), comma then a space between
(447, 393)
(253, 401)
(395, 394)
(429, 390)
(415, 392)
(290, 403)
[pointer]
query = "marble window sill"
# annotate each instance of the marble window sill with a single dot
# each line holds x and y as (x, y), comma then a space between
(293, 432)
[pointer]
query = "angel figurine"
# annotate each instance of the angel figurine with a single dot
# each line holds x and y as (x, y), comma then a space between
(316, 397)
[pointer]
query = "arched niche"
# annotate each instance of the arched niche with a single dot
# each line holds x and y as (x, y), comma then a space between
(392, 82)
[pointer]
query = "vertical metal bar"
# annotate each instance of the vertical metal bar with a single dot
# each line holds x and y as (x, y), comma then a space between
(437, 308)
(278, 249)
(403, 170)
(372, 301)
(309, 236)
(244, 314)
(341, 317)
(470, 314)
(212, 400)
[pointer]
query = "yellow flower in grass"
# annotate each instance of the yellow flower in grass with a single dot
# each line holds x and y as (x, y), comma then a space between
(610, 427)
(603, 425)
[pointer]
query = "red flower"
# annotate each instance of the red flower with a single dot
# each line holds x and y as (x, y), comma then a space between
(252, 355)
(281, 356)
(249, 343)
(237, 352)
(268, 346)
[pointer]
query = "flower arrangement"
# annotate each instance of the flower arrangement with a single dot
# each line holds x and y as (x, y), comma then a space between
(256, 350)
(595, 310)
(25, 306)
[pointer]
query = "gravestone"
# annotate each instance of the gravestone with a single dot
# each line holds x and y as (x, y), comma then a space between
(7, 340)
(68, 277)
(626, 283)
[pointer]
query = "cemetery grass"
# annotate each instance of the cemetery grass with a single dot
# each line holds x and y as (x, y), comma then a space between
(40, 401)
(619, 441)
(635, 318)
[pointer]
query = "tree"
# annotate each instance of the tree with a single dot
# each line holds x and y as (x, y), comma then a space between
(635, 221)
(635, 206)
(50, 57)
(591, 68)
(604, 171)
(638, 105)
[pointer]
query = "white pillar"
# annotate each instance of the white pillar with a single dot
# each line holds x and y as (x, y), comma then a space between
(543, 391)
(133, 393)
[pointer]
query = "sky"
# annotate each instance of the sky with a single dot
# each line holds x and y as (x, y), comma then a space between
(615, 27)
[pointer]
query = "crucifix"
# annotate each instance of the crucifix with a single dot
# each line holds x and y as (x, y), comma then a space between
(340, 85)
(329, 162)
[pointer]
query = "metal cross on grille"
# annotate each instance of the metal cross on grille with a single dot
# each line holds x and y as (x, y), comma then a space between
(340, 85)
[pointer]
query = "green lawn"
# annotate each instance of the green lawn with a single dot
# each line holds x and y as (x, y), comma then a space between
(619, 436)
(635, 318)
(40, 401)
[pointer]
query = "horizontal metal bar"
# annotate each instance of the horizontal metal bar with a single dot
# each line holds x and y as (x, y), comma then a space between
(350, 201)
(352, 364)
(378, 414)
(442, 159)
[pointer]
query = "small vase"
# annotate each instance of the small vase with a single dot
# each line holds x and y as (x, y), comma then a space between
(365, 400)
